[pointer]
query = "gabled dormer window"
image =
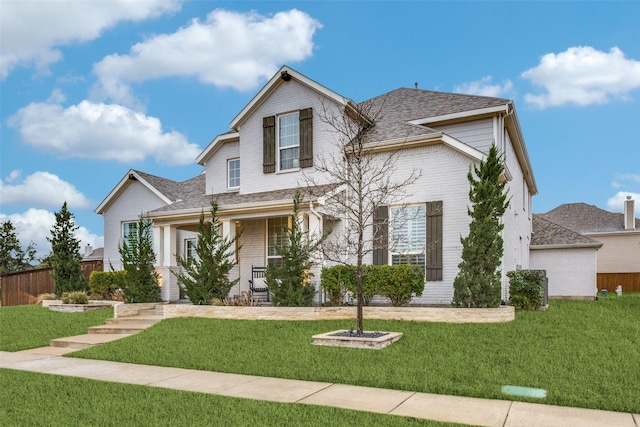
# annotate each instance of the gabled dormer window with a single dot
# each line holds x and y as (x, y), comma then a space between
(288, 141)
(233, 173)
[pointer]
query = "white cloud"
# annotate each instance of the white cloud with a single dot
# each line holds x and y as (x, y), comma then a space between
(583, 76)
(30, 30)
(483, 87)
(40, 189)
(228, 49)
(101, 131)
(629, 177)
(616, 203)
(34, 225)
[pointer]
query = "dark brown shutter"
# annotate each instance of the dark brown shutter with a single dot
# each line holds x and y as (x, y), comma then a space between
(306, 138)
(269, 144)
(381, 235)
(434, 241)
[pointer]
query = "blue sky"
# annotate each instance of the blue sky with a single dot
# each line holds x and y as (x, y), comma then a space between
(91, 89)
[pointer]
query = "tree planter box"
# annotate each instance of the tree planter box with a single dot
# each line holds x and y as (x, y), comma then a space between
(342, 338)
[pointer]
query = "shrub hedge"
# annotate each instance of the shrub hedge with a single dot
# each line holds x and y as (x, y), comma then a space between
(104, 284)
(396, 282)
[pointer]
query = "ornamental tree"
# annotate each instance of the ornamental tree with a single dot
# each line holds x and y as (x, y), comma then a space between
(478, 282)
(65, 254)
(205, 277)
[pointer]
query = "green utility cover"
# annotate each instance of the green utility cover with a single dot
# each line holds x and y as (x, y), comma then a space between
(524, 391)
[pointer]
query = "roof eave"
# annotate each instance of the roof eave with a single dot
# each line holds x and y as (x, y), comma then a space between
(567, 246)
(129, 176)
(214, 145)
(274, 82)
(513, 125)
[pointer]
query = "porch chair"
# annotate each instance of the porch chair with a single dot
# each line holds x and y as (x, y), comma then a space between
(257, 283)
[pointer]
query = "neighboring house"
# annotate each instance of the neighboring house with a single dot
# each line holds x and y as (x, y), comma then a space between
(568, 257)
(253, 171)
(619, 234)
(91, 254)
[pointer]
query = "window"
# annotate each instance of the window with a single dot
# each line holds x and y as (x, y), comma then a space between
(275, 238)
(233, 173)
(129, 231)
(408, 235)
(289, 141)
(190, 250)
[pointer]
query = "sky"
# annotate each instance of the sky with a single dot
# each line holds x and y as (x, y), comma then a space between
(91, 89)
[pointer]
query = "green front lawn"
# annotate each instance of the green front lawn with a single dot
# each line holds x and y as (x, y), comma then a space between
(584, 353)
(32, 326)
(33, 399)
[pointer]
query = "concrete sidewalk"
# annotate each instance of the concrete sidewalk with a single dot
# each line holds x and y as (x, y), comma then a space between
(463, 410)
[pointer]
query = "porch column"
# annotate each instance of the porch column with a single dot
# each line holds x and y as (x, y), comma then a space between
(169, 290)
(315, 233)
(229, 230)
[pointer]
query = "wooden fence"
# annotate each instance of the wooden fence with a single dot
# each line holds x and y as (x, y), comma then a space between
(24, 287)
(630, 281)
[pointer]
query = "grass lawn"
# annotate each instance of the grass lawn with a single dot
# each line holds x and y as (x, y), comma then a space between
(32, 399)
(32, 326)
(584, 353)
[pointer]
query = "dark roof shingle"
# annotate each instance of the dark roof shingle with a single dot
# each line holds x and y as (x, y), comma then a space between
(585, 218)
(548, 233)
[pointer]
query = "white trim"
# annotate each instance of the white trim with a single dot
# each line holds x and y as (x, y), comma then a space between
(122, 185)
(274, 82)
(215, 146)
(461, 114)
(279, 148)
(432, 138)
(567, 246)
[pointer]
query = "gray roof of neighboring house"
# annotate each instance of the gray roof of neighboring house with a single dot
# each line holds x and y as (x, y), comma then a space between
(393, 109)
(585, 218)
(548, 233)
(96, 254)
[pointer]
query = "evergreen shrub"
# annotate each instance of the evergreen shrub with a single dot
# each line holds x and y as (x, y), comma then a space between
(526, 289)
(104, 284)
(397, 282)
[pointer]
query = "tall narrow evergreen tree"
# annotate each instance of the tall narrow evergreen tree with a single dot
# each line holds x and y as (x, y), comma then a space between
(140, 281)
(12, 257)
(290, 283)
(478, 281)
(65, 254)
(206, 276)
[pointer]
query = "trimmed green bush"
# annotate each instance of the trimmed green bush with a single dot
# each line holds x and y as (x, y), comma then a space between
(526, 289)
(75, 297)
(336, 281)
(104, 284)
(397, 282)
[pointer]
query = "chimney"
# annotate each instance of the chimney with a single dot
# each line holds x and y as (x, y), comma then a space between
(629, 214)
(88, 250)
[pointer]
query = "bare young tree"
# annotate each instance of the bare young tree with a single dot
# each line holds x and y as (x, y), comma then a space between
(365, 171)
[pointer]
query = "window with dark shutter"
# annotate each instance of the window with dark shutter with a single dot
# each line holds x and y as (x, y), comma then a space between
(434, 241)
(306, 138)
(381, 235)
(269, 144)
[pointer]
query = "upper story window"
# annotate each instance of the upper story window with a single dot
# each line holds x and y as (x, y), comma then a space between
(233, 173)
(289, 141)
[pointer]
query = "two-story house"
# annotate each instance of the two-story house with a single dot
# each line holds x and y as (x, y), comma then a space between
(254, 169)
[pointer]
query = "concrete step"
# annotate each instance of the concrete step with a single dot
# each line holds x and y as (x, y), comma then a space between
(85, 341)
(125, 328)
(151, 319)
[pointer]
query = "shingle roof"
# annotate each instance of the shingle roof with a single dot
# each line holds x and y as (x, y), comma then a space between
(585, 218)
(202, 201)
(547, 233)
(394, 109)
(174, 190)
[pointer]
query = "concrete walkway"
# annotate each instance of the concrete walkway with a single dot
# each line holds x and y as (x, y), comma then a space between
(463, 410)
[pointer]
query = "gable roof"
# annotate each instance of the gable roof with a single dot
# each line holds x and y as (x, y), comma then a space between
(585, 218)
(285, 74)
(167, 190)
(547, 234)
